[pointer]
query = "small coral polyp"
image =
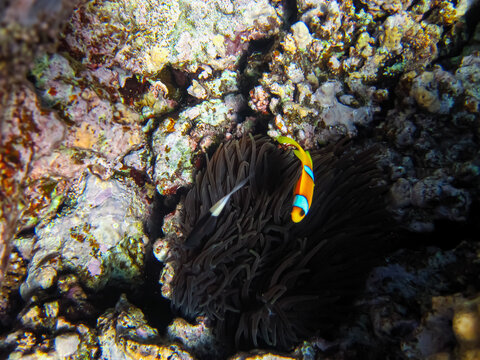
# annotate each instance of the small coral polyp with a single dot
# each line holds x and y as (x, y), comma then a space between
(261, 279)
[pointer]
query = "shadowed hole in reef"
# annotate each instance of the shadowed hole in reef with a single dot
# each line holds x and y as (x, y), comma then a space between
(133, 89)
(149, 298)
(447, 234)
(253, 63)
(291, 13)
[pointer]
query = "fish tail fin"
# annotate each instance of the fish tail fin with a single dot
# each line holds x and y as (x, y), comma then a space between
(287, 140)
(300, 153)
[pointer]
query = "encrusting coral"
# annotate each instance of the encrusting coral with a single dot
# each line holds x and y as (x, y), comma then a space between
(259, 277)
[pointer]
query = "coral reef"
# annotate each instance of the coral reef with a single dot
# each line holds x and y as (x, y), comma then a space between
(198, 337)
(145, 36)
(49, 329)
(434, 157)
(177, 141)
(26, 30)
(109, 114)
(99, 237)
(466, 326)
(15, 275)
(125, 334)
(27, 134)
(363, 48)
(293, 91)
(261, 279)
(444, 301)
(52, 330)
(93, 120)
(44, 152)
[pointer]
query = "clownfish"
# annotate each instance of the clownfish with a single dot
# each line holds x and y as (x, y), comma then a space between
(205, 226)
(303, 192)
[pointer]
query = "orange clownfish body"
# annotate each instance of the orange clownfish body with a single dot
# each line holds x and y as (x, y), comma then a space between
(303, 192)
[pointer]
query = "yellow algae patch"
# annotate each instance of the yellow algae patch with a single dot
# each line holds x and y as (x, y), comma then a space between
(289, 44)
(134, 139)
(219, 43)
(466, 325)
(156, 58)
(85, 136)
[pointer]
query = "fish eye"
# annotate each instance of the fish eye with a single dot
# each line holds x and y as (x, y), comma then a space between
(302, 212)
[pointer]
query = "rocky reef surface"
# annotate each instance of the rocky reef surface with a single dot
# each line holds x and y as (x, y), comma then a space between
(109, 108)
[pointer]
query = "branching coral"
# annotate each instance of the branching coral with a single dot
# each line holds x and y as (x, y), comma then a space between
(261, 278)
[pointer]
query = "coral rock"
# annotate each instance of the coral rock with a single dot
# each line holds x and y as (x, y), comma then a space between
(145, 36)
(85, 240)
(125, 334)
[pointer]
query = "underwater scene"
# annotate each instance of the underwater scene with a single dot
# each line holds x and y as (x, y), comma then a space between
(240, 179)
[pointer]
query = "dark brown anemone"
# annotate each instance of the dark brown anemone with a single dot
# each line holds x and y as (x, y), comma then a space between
(262, 279)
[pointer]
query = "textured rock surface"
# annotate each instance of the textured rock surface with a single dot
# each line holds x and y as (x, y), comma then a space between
(145, 36)
(101, 129)
(434, 158)
(99, 236)
(177, 141)
(27, 135)
(27, 29)
(54, 329)
(123, 333)
(16, 272)
(417, 306)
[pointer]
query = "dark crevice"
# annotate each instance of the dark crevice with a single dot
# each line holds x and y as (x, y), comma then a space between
(253, 60)
(360, 5)
(261, 125)
(291, 13)
(149, 299)
(253, 63)
(27, 232)
(450, 54)
(161, 206)
(472, 19)
(132, 89)
(447, 234)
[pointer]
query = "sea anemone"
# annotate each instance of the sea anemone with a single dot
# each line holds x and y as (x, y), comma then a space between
(260, 278)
